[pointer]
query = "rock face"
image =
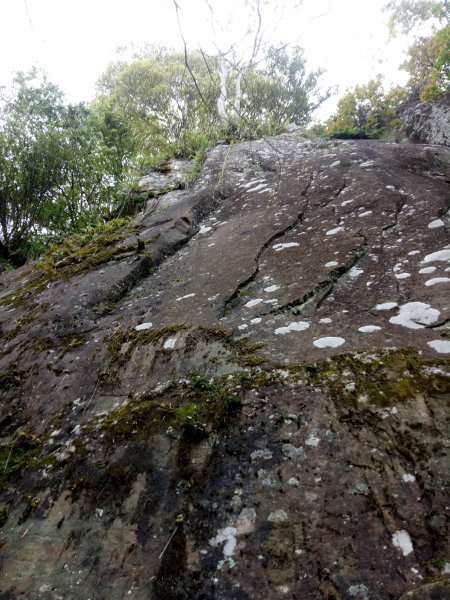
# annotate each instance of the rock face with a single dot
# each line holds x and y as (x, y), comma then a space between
(427, 123)
(241, 394)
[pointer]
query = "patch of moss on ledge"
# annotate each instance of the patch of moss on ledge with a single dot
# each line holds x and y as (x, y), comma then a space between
(122, 343)
(77, 254)
(11, 378)
(194, 407)
(85, 251)
(382, 378)
(18, 454)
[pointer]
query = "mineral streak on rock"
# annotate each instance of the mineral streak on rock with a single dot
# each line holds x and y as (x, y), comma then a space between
(241, 396)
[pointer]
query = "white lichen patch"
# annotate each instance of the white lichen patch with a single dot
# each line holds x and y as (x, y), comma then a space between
(334, 231)
(278, 247)
(440, 255)
(367, 164)
(355, 272)
(313, 440)
(184, 297)
(260, 186)
(254, 302)
(365, 214)
(170, 344)
(332, 263)
(369, 328)
(204, 229)
(263, 454)
(386, 306)
(441, 346)
(402, 540)
(360, 591)
(272, 288)
(294, 482)
(245, 523)
(293, 453)
(437, 280)
(277, 516)
(295, 326)
(408, 478)
(255, 321)
(413, 252)
(227, 537)
(402, 275)
(143, 326)
(436, 224)
(328, 342)
(415, 315)
(325, 320)
(427, 270)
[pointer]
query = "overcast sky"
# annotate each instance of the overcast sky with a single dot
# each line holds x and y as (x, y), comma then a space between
(73, 40)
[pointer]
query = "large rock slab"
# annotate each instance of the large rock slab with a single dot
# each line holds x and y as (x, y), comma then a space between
(242, 393)
(427, 123)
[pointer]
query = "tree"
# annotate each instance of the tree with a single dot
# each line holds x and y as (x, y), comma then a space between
(253, 67)
(58, 168)
(428, 62)
(366, 111)
(407, 14)
(280, 91)
(428, 65)
(158, 98)
(31, 161)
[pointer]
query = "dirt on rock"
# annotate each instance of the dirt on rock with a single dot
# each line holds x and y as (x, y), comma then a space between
(242, 393)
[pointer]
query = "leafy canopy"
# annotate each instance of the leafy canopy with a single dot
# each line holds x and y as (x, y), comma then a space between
(60, 166)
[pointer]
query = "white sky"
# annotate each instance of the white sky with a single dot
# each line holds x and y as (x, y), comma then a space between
(73, 40)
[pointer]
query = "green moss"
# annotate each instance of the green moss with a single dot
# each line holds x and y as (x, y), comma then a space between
(84, 252)
(75, 255)
(18, 325)
(280, 549)
(11, 378)
(251, 360)
(122, 344)
(382, 379)
(19, 453)
(194, 408)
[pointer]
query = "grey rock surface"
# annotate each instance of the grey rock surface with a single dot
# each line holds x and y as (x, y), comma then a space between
(247, 396)
(427, 123)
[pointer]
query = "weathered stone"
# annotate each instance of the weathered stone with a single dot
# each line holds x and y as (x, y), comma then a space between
(248, 397)
(427, 123)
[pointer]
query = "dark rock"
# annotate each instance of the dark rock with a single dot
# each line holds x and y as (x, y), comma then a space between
(426, 123)
(246, 396)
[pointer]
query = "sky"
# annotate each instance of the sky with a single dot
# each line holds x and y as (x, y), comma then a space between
(74, 40)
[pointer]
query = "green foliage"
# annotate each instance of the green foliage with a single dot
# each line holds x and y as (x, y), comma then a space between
(158, 98)
(85, 251)
(172, 110)
(366, 111)
(280, 91)
(406, 14)
(428, 65)
(61, 166)
(17, 454)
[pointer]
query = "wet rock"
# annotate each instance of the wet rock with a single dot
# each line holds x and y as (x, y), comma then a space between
(244, 394)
